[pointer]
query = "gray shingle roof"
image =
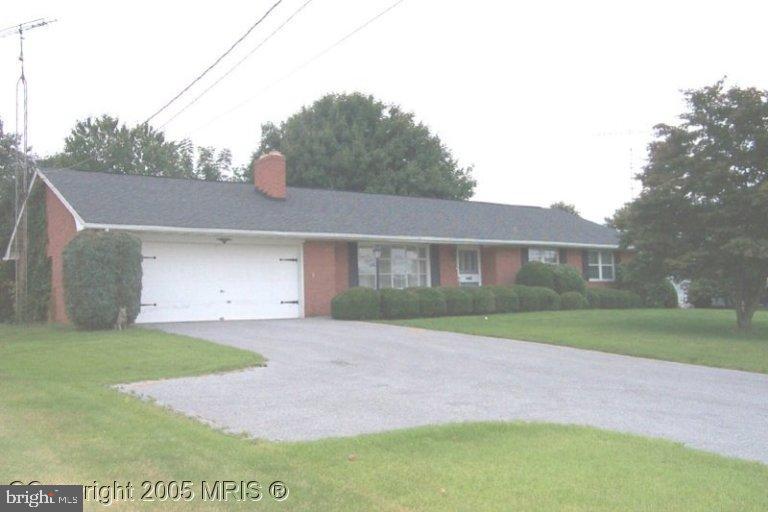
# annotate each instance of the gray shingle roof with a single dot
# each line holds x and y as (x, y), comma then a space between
(101, 198)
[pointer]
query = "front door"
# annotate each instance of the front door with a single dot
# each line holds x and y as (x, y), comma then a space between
(468, 263)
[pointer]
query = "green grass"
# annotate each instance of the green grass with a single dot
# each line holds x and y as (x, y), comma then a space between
(60, 421)
(697, 336)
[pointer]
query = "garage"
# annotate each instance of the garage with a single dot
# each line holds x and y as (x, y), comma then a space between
(218, 279)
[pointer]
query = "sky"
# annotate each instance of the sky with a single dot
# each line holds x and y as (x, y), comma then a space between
(547, 101)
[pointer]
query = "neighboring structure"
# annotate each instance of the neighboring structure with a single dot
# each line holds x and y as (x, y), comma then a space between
(228, 251)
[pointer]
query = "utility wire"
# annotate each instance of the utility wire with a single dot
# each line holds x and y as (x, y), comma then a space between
(219, 59)
(300, 66)
(237, 64)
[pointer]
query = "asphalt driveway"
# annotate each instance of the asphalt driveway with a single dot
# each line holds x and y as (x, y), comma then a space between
(327, 378)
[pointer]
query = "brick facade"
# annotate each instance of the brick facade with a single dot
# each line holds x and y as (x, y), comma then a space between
(499, 265)
(61, 229)
(326, 274)
(449, 275)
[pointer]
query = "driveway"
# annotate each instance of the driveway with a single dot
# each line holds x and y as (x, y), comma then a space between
(328, 378)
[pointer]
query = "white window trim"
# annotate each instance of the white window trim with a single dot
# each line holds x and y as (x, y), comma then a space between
(390, 245)
(600, 266)
(479, 263)
(545, 248)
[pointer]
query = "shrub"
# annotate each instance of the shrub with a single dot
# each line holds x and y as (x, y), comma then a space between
(536, 273)
(568, 279)
(643, 278)
(7, 285)
(483, 300)
(702, 292)
(357, 304)
(102, 274)
(507, 300)
(549, 300)
(431, 301)
(573, 300)
(609, 298)
(399, 303)
(458, 300)
(537, 298)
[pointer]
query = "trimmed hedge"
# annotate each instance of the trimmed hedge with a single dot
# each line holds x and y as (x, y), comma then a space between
(561, 278)
(568, 279)
(483, 300)
(507, 300)
(537, 298)
(458, 300)
(399, 304)
(609, 298)
(357, 304)
(573, 300)
(535, 273)
(431, 301)
(102, 274)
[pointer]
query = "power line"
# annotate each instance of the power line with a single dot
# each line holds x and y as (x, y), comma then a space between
(238, 63)
(301, 66)
(219, 59)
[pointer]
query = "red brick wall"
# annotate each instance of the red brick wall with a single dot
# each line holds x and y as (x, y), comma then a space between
(61, 229)
(574, 259)
(449, 275)
(500, 264)
(326, 274)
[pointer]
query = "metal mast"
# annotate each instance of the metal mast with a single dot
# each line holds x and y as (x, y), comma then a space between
(23, 174)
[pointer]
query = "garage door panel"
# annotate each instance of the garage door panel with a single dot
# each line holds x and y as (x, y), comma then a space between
(189, 282)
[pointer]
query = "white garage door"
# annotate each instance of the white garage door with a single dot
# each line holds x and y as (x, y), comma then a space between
(213, 281)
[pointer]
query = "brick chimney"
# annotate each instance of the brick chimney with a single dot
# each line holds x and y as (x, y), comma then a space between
(269, 175)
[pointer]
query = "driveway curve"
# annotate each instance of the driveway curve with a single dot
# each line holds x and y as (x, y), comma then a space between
(327, 378)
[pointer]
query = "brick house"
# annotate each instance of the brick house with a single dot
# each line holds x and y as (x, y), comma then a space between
(238, 251)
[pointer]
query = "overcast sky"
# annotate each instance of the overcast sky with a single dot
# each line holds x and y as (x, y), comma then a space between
(547, 100)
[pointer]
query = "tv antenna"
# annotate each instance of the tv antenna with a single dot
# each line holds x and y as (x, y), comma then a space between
(23, 175)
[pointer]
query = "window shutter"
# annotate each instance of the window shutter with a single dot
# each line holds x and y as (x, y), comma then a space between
(563, 256)
(585, 264)
(616, 258)
(434, 265)
(354, 279)
(523, 255)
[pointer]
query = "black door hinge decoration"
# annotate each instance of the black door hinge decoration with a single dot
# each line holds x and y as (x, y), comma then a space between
(289, 259)
(289, 302)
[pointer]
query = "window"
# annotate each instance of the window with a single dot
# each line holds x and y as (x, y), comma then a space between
(544, 255)
(392, 266)
(468, 263)
(601, 266)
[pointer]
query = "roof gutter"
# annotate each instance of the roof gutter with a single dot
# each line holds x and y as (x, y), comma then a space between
(342, 236)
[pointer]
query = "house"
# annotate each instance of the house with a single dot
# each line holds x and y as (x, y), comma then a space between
(246, 251)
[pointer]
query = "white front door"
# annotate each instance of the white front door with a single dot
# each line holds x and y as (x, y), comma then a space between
(468, 263)
(185, 282)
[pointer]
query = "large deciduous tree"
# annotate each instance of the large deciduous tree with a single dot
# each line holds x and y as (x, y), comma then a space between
(354, 142)
(703, 209)
(107, 145)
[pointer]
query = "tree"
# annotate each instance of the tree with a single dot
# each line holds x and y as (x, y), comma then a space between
(105, 144)
(566, 207)
(354, 142)
(703, 207)
(10, 156)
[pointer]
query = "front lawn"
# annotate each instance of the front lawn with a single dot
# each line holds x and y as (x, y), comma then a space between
(698, 336)
(60, 421)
